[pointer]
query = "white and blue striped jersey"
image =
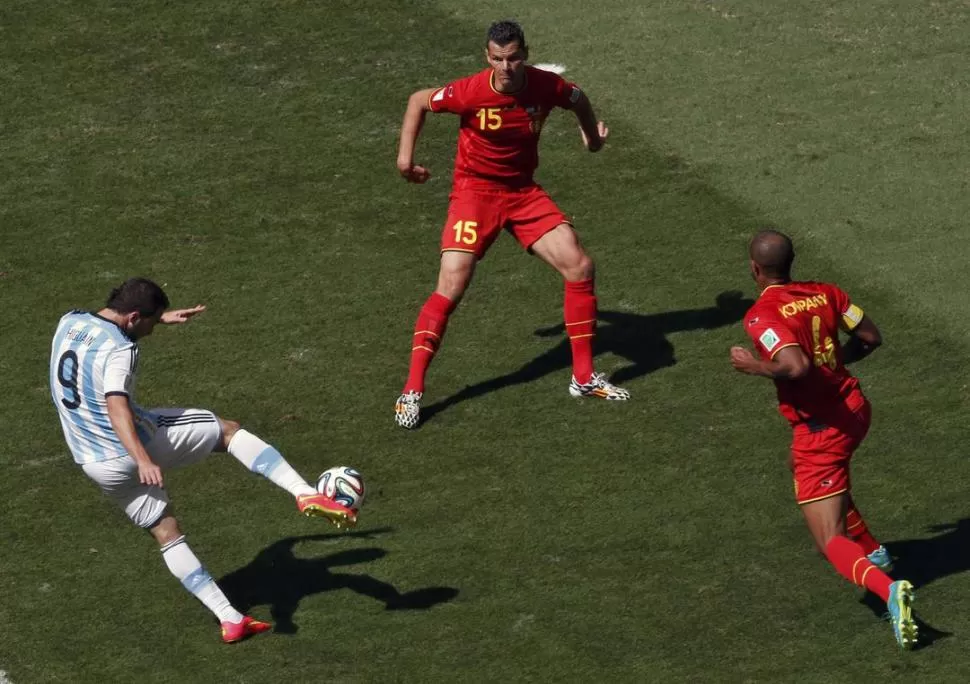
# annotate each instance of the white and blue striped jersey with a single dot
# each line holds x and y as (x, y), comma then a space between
(91, 359)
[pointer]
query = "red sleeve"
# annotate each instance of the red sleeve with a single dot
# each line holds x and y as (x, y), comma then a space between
(563, 93)
(769, 334)
(840, 300)
(449, 98)
(847, 314)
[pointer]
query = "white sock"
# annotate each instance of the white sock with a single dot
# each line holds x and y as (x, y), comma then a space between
(186, 567)
(261, 458)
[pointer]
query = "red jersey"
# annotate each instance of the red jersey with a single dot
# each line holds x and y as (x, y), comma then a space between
(498, 137)
(808, 315)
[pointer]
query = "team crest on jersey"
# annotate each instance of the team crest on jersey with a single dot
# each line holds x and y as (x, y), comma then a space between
(769, 339)
(536, 118)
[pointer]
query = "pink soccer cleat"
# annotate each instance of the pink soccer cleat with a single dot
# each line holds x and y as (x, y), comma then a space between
(319, 505)
(237, 631)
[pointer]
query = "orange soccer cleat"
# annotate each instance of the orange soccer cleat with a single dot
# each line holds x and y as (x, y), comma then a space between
(237, 631)
(320, 505)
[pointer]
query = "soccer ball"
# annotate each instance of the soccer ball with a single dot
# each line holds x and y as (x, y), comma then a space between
(344, 485)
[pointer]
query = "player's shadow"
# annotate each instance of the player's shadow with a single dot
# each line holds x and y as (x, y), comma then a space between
(927, 559)
(638, 338)
(922, 561)
(278, 578)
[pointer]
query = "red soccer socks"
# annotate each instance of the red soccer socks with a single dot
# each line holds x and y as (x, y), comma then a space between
(579, 312)
(850, 561)
(428, 331)
(857, 531)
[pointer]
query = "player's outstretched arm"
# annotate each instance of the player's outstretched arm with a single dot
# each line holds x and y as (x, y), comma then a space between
(864, 340)
(790, 363)
(181, 315)
(123, 421)
(593, 132)
(418, 107)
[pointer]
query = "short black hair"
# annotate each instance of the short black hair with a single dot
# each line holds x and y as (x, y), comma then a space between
(504, 32)
(138, 294)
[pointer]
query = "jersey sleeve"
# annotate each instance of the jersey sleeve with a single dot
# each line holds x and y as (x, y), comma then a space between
(564, 93)
(449, 98)
(850, 315)
(119, 370)
(769, 335)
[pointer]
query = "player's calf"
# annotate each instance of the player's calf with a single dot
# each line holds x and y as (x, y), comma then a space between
(263, 459)
(185, 566)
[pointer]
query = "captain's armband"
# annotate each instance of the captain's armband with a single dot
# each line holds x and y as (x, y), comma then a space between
(852, 317)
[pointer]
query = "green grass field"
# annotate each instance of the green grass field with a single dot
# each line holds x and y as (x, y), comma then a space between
(242, 154)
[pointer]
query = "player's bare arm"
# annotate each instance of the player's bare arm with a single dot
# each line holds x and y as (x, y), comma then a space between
(418, 107)
(790, 363)
(123, 421)
(863, 340)
(178, 316)
(593, 132)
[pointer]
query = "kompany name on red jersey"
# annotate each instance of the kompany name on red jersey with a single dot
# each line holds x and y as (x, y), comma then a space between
(806, 304)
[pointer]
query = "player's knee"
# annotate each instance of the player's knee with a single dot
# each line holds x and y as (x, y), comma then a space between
(580, 267)
(453, 282)
(166, 530)
(229, 430)
(826, 533)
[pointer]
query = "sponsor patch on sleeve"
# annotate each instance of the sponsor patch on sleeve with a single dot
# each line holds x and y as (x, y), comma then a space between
(438, 96)
(769, 339)
(852, 316)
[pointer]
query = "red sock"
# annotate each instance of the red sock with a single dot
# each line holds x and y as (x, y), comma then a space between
(850, 561)
(857, 531)
(428, 331)
(579, 309)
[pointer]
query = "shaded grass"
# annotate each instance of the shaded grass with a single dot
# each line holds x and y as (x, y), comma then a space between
(242, 153)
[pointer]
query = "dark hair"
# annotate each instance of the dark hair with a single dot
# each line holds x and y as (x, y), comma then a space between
(774, 252)
(504, 32)
(137, 294)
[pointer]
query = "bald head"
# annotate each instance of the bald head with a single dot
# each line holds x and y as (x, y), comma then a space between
(773, 252)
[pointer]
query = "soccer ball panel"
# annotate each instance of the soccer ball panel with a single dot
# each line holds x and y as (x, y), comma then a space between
(344, 485)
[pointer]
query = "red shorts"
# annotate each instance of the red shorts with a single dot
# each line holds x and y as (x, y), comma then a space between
(476, 217)
(820, 454)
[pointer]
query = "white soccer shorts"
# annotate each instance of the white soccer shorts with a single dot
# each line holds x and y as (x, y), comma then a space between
(182, 437)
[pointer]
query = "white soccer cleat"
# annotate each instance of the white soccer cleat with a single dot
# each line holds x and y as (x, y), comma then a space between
(598, 386)
(407, 410)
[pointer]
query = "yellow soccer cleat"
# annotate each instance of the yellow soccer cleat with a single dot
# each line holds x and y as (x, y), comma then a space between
(900, 605)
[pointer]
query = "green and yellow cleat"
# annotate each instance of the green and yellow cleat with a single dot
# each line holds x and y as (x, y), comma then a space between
(900, 605)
